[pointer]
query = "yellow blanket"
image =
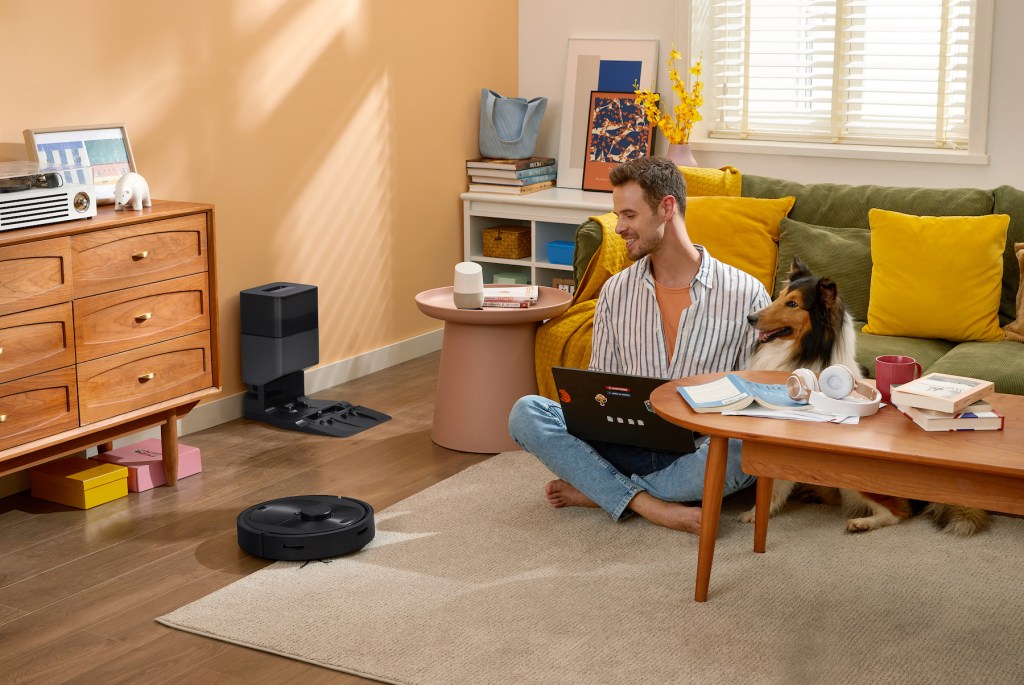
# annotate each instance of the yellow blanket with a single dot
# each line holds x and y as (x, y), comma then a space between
(565, 339)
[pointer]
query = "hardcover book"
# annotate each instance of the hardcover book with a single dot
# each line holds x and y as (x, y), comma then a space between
(732, 392)
(548, 170)
(972, 420)
(942, 392)
(510, 190)
(529, 180)
(509, 164)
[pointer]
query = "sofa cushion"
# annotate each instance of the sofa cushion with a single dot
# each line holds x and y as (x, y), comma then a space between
(1009, 200)
(830, 204)
(999, 362)
(700, 181)
(842, 254)
(936, 276)
(926, 351)
(741, 231)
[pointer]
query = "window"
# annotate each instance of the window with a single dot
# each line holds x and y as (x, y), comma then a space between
(895, 73)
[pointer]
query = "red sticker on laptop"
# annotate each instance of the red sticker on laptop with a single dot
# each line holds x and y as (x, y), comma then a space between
(563, 395)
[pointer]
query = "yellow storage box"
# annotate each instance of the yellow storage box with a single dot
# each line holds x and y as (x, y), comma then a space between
(79, 482)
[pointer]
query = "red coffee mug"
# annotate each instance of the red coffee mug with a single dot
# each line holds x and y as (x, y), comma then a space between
(894, 369)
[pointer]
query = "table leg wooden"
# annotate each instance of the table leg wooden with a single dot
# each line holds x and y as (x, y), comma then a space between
(169, 446)
(762, 508)
(105, 447)
(711, 509)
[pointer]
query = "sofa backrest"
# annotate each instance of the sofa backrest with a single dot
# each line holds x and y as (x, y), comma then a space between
(845, 206)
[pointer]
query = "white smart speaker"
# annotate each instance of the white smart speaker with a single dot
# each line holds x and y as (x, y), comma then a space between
(469, 286)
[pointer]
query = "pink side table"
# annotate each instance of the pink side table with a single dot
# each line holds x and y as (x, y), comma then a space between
(487, 364)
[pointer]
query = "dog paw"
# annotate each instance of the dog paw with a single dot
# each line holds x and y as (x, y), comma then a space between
(747, 517)
(859, 525)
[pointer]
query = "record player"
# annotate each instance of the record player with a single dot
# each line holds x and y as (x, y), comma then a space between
(34, 194)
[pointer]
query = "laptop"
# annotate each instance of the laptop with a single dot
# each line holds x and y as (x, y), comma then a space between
(616, 408)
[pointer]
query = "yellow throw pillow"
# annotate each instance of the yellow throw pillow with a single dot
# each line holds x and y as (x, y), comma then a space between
(740, 231)
(936, 276)
(726, 181)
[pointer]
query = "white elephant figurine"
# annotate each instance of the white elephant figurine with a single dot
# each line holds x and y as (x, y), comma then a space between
(131, 187)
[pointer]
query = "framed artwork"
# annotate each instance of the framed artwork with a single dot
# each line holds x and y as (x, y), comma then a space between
(103, 147)
(603, 65)
(617, 131)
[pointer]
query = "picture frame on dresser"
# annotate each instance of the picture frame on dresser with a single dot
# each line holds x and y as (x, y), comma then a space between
(103, 147)
(617, 132)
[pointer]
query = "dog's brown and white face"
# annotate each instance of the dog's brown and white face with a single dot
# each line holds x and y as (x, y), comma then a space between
(791, 316)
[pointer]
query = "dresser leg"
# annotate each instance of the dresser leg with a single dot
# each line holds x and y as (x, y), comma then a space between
(169, 446)
(104, 447)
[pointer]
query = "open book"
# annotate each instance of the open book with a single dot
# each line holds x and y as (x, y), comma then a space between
(732, 392)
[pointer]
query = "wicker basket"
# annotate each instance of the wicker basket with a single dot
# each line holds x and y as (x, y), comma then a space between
(509, 242)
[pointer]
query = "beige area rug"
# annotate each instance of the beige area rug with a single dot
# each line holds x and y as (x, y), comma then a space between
(477, 581)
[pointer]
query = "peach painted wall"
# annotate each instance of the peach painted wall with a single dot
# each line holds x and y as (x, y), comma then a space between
(330, 134)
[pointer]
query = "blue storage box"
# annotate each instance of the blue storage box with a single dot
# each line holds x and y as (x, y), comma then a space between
(560, 252)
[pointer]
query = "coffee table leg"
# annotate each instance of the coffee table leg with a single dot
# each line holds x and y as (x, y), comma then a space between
(762, 506)
(711, 509)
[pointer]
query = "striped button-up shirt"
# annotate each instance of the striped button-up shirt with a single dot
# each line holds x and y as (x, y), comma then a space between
(713, 331)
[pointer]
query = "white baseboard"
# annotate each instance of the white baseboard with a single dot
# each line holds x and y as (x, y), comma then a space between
(229, 408)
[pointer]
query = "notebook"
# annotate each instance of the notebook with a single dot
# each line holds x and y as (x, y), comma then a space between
(616, 408)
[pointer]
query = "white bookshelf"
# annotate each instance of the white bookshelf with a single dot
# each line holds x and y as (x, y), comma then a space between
(550, 215)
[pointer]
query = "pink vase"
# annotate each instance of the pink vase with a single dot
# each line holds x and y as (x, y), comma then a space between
(681, 155)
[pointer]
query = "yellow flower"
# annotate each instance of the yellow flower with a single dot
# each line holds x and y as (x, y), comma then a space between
(678, 126)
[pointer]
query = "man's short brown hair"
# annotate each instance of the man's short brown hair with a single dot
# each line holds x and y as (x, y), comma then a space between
(656, 176)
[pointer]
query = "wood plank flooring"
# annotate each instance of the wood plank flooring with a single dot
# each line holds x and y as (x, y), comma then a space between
(79, 589)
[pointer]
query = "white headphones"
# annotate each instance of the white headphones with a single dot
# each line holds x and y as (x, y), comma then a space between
(836, 391)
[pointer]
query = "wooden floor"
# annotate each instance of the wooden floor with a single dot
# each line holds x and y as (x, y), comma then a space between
(79, 589)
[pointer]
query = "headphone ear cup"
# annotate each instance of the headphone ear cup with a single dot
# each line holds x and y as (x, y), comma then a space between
(836, 382)
(801, 384)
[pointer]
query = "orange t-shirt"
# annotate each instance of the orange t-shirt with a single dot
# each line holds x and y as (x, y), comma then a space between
(671, 302)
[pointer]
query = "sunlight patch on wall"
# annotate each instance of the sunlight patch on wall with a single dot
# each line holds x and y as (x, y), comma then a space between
(340, 233)
(287, 56)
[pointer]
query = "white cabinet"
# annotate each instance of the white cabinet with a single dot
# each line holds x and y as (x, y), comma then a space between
(550, 215)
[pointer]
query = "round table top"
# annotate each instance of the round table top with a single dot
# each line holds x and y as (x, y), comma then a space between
(439, 304)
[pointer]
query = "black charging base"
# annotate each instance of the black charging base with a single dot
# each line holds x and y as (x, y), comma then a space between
(283, 403)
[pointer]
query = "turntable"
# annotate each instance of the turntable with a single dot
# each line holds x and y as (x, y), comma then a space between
(34, 194)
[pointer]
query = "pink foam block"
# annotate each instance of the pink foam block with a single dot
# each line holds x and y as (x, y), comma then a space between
(145, 464)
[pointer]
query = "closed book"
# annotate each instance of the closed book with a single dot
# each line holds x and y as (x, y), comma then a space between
(931, 420)
(505, 303)
(530, 293)
(941, 391)
(529, 180)
(509, 164)
(547, 170)
(510, 190)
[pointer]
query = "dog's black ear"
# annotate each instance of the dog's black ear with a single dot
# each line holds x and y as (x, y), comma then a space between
(828, 291)
(798, 269)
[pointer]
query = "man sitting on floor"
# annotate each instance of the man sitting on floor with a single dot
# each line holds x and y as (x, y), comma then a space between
(676, 312)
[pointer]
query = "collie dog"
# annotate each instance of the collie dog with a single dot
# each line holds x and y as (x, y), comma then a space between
(808, 327)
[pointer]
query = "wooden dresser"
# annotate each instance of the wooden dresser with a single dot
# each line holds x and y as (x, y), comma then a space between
(107, 326)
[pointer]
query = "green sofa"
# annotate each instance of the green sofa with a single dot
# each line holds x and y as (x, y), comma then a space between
(828, 228)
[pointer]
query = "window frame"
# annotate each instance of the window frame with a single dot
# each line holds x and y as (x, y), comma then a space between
(695, 37)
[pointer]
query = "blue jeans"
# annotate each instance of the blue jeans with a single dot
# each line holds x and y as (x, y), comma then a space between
(611, 475)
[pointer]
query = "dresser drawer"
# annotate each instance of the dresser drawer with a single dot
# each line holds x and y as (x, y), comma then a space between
(147, 314)
(35, 275)
(138, 378)
(38, 406)
(35, 341)
(117, 258)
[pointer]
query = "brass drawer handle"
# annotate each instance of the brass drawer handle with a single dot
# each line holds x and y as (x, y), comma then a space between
(143, 317)
(3, 418)
(140, 255)
(146, 377)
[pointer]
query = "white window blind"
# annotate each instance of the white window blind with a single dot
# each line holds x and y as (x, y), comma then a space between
(869, 72)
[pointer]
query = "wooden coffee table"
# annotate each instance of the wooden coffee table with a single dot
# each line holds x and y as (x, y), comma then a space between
(886, 453)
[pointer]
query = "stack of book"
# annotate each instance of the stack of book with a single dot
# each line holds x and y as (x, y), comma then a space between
(511, 176)
(514, 297)
(942, 402)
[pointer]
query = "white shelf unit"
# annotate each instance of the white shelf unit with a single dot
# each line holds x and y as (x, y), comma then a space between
(550, 215)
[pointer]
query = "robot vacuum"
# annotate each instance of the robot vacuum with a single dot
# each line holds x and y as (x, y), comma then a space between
(305, 527)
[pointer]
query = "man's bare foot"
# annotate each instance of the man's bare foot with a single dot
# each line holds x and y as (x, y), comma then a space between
(668, 514)
(562, 494)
